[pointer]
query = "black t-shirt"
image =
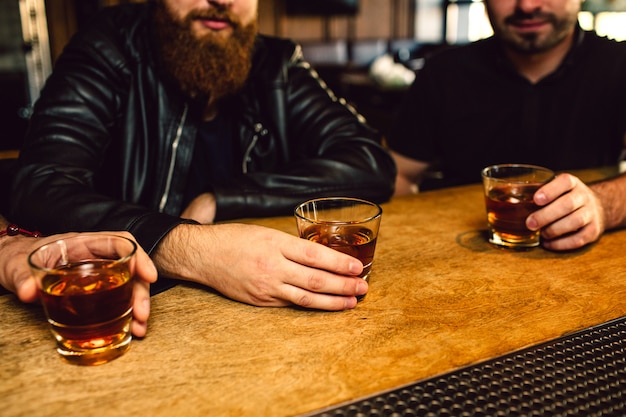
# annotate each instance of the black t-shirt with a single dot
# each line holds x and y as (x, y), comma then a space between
(468, 108)
(212, 162)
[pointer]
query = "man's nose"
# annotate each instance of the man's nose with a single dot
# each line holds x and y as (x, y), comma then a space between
(529, 5)
(221, 3)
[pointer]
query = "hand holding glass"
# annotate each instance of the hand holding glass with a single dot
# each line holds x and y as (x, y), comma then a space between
(509, 191)
(86, 290)
(348, 225)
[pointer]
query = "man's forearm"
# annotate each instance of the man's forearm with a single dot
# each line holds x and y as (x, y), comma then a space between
(175, 256)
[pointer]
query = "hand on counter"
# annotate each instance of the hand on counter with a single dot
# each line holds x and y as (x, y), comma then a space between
(261, 266)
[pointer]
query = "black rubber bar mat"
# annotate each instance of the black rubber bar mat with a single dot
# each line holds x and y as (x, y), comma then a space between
(580, 374)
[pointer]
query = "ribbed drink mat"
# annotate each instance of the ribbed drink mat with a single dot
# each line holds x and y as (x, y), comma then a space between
(580, 374)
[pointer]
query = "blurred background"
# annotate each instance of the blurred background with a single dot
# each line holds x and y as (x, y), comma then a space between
(366, 50)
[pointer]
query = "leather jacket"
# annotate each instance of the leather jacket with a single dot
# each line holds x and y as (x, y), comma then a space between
(111, 138)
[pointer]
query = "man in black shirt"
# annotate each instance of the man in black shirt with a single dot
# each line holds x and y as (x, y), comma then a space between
(540, 91)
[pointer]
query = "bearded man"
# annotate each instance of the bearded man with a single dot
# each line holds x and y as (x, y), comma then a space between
(164, 117)
(540, 91)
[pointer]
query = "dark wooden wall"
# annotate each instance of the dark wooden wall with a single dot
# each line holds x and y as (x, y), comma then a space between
(377, 19)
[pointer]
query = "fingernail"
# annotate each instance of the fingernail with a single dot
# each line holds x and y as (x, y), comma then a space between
(351, 302)
(531, 223)
(361, 287)
(356, 267)
(539, 197)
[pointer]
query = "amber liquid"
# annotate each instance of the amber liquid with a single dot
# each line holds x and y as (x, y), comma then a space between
(89, 309)
(356, 241)
(507, 210)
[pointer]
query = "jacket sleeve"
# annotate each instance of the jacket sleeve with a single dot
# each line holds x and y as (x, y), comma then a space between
(69, 146)
(324, 149)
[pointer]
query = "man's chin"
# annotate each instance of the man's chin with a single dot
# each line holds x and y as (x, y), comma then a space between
(523, 44)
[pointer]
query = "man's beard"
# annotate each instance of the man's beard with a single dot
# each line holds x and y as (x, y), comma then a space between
(533, 43)
(210, 67)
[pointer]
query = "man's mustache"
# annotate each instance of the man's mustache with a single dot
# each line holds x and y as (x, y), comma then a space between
(520, 17)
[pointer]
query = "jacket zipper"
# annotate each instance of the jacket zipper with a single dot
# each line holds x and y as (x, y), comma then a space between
(259, 131)
(170, 172)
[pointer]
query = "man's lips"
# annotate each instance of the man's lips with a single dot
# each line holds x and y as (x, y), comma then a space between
(215, 24)
(529, 25)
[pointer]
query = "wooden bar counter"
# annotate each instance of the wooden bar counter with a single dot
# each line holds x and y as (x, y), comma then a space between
(440, 298)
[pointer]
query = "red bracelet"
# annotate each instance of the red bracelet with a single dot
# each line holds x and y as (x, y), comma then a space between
(14, 229)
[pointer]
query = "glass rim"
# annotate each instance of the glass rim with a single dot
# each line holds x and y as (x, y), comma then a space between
(83, 236)
(377, 207)
(526, 166)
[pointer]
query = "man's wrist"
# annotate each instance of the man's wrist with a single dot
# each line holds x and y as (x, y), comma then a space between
(14, 230)
(10, 232)
(170, 254)
(610, 193)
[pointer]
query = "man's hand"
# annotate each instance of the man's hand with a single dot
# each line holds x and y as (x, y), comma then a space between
(201, 209)
(15, 274)
(261, 266)
(572, 214)
(410, 173)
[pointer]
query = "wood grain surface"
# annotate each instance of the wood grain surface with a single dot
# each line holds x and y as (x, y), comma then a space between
(440, 298)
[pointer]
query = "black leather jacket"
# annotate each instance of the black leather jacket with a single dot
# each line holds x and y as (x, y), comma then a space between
(111, 138)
